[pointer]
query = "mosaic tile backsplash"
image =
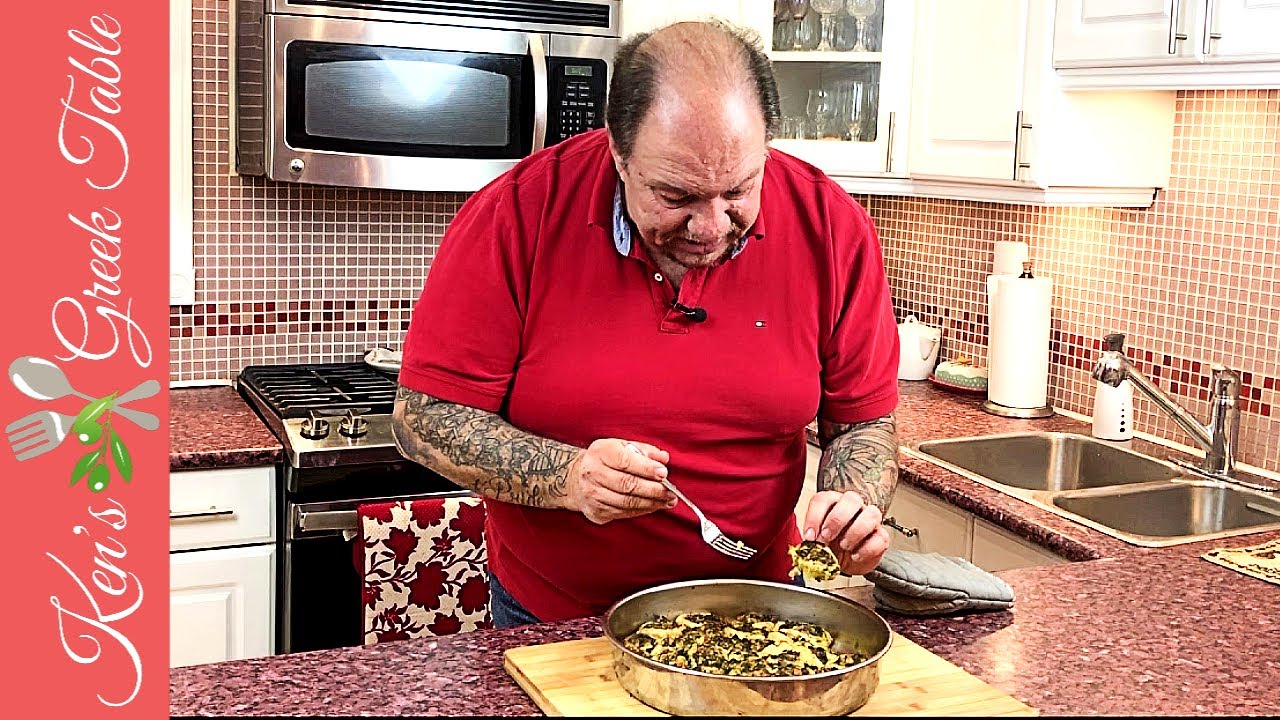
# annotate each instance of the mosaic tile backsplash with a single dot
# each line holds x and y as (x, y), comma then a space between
(290, 273)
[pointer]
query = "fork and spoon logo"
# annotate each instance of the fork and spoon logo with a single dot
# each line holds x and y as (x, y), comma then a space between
(44, 430)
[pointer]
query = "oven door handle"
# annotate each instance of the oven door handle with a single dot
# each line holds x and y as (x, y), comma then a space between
(334, 517)
(328, 520)
(541, 93)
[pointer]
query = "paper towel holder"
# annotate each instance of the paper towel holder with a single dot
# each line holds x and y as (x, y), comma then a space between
(1012, 412)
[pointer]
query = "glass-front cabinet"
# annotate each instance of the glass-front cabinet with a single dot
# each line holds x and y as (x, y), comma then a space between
(843, 69)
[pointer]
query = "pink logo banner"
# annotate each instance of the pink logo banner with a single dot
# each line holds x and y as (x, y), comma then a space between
(85, 398)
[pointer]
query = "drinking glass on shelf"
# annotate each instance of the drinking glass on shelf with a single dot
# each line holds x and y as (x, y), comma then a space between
(861, 10)
(784, 34)
(821, 111)
(870, 110)
(849, 108)
(792, 127)
(845, 36)
(873, 38)
(826, 8)
(808, 32)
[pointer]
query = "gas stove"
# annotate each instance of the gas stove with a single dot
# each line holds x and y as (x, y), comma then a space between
(334, 420)
(325, 414)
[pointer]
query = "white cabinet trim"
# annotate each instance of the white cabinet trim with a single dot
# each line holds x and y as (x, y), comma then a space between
(1242, 76)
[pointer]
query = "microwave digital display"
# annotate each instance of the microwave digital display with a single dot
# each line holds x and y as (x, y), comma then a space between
(578, 70)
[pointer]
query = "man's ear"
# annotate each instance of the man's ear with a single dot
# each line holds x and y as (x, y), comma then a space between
(618, 163)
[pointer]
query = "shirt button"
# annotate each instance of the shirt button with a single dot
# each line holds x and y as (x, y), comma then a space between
(657, 276)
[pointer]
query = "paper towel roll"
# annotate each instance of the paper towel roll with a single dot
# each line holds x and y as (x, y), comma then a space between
(1009, 256)
(1018, 344)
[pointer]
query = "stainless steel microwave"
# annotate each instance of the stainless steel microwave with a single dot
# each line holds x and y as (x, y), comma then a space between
(414, 94)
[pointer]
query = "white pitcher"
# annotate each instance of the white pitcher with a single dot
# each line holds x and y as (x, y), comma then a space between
(918, 349)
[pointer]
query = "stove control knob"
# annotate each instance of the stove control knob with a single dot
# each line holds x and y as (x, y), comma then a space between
(315, 428)
(353, 426)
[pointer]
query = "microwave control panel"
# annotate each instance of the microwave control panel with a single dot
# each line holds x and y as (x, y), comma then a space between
(578, 89)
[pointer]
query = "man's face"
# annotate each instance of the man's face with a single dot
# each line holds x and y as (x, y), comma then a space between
(693, 179)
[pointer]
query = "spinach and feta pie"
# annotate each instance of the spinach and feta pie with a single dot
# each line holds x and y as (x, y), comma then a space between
(748, 645)
(814, 560)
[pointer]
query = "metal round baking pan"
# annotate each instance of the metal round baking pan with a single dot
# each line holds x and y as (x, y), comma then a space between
(689, 692)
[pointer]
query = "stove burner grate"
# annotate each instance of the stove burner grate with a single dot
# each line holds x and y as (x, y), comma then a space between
(293, 391)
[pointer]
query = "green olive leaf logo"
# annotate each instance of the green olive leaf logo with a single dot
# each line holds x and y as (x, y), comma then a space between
(92, 426)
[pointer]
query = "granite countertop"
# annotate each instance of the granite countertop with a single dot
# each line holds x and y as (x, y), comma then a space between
(1125, 630)
(212, 428)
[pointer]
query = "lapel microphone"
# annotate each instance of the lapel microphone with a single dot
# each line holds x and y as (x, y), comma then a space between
(696, 314)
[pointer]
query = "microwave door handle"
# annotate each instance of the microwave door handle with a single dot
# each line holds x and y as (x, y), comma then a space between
(540, 92)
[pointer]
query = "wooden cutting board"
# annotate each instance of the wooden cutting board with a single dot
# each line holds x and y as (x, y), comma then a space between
(575, 678)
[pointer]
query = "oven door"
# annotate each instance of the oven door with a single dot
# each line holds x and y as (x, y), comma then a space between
(320, 603)
(364, 103)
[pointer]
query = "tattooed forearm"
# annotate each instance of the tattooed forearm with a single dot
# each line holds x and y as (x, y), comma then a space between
(481, 451)
(862, 457)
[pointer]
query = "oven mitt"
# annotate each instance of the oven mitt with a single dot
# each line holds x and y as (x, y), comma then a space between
(931, 584)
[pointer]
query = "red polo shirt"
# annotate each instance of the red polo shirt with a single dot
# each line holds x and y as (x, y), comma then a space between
(531, 311)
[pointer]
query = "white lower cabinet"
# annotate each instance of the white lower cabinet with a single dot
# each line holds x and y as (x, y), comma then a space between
(221, 604)
(996, 549)
(947, 530)
(940, 527)
(222, 565)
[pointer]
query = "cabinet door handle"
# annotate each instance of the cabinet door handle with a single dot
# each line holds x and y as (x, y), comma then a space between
(200, 514)
(1175, 16)
(1210, 10)
(909, 532)
(1019, 126)
(888, 151)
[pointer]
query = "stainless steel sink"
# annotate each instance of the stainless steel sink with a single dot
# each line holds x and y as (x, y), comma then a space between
(1134, 497)
(1186, 508)
(1049, 461)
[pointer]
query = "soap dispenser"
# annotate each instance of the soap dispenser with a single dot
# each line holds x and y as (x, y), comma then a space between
(1113, 406)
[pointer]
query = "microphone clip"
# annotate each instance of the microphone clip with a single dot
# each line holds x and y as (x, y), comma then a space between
(695, 314)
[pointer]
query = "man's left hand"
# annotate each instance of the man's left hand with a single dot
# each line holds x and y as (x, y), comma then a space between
(850, 527)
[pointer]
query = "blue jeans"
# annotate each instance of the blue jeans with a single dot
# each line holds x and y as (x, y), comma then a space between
(508, 612)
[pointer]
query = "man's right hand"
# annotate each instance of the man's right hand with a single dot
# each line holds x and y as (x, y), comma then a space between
(609, 481)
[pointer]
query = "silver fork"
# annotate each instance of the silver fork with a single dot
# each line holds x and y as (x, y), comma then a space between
(711, 533)
(37, 433)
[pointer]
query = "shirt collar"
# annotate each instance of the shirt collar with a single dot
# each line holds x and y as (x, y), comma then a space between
(622, 234)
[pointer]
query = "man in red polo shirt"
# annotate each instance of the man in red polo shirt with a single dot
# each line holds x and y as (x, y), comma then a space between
(670, 284)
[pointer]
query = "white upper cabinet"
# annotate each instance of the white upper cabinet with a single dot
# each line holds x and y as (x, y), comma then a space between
(990, 120)
(968, 88)
(1242, 30)
(843, 70)
(1118, 32)
(1168, 43)
(962, 100)
(644, 15)
(844, 81)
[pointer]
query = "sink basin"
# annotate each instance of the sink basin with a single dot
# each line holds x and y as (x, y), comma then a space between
(1187, 508)
(1048, 461)
(1127, 495)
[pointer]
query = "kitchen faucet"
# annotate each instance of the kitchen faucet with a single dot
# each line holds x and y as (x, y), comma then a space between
(1218, 438)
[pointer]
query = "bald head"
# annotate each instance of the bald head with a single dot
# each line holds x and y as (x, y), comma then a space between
(697, 75)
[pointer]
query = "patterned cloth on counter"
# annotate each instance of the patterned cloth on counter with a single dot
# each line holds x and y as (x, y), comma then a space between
(425, 568)
(1260, 561)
